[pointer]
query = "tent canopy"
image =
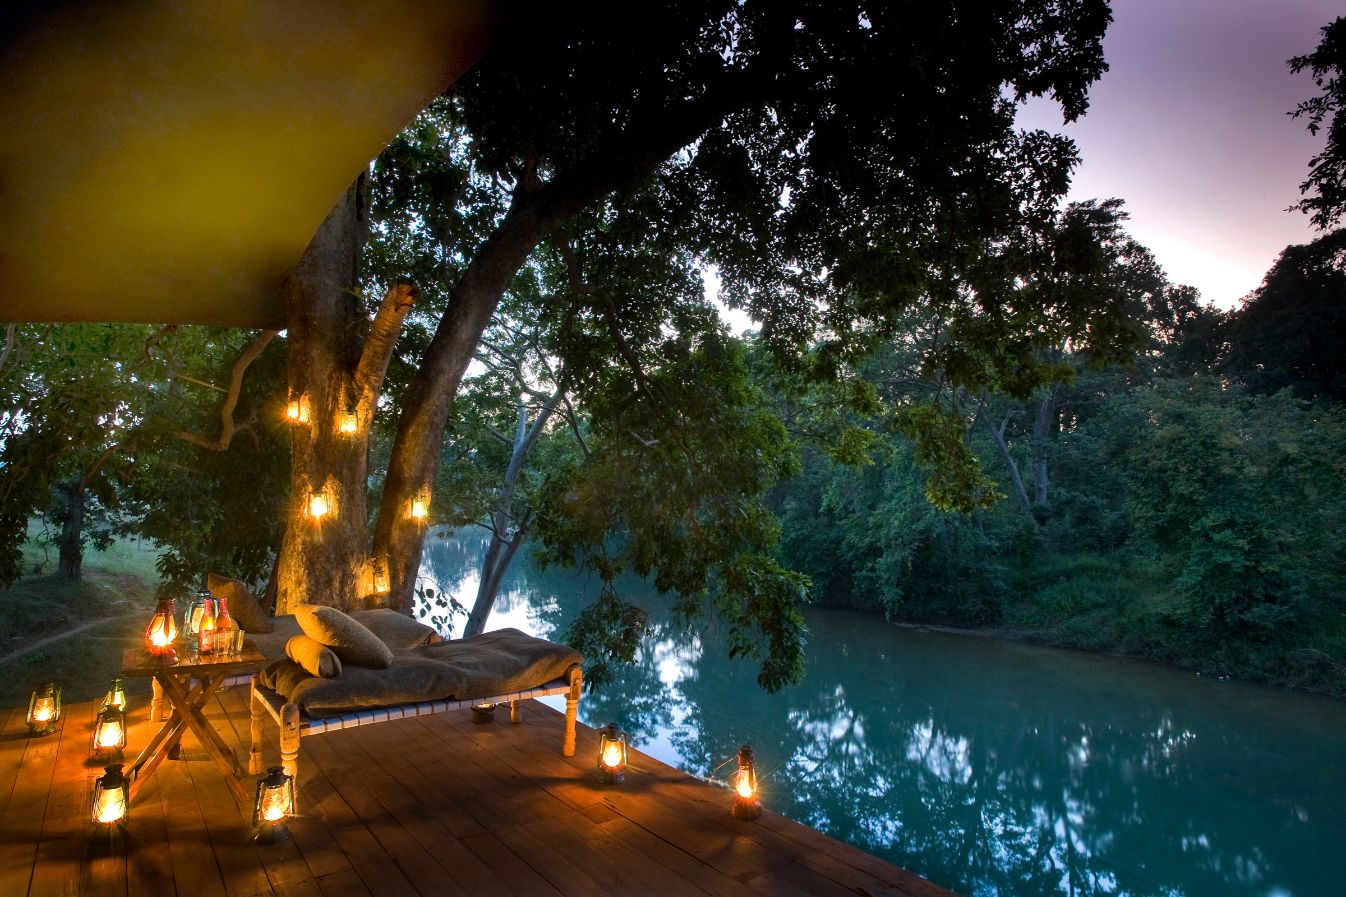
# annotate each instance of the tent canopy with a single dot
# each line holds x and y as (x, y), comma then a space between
(167, 162)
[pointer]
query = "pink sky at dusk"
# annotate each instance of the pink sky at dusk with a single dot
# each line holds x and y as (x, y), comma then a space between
(1189, 127)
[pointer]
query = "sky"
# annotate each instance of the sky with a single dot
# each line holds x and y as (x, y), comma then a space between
(1189, 127)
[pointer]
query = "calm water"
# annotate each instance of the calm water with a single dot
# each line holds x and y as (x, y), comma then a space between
(990, 767)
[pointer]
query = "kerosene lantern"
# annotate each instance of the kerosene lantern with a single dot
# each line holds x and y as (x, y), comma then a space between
(611, 755)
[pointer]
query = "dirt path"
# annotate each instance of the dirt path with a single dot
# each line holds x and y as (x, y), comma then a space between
(61, 636)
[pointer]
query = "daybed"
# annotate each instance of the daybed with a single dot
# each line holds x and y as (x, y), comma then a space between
(388, 666)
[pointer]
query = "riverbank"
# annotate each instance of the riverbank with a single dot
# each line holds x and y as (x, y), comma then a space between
(1305, 670)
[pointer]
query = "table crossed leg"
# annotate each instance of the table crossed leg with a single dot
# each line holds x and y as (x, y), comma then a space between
(187, 706)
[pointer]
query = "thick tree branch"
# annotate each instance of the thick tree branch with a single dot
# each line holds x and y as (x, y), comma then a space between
(228, 427)
(378, 348)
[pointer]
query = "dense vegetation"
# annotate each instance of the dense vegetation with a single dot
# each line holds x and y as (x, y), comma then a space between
(965, 403)
(1184, 507)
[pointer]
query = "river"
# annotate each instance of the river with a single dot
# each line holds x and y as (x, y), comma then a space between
(991, 767)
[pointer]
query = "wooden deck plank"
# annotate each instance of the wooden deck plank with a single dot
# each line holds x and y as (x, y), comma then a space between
(13, 739)
(21, 820)
(68, 808)
(418, 807)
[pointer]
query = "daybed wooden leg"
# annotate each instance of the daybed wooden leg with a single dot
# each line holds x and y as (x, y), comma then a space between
(515, 712)
(255, 766)
(572, 710)
(289, 741)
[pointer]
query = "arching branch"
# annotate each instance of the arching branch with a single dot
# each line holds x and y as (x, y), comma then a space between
(228, 427)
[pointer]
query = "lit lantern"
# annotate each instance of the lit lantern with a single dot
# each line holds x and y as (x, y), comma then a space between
(116, 695)
(296, 412)
(420, 508)
(161, 632)
(111, 793)
(109, 733)
(318, 505)
(191, 617)
(348, 422)
(483, 713)
(611, 755)
(44, 709)
(746, 804)
(379, 568)
(275, 804)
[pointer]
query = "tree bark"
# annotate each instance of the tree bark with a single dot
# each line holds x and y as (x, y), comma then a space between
(333, 369)
(1016, 478)
(505, 544)
(1044, 428)
(71, 555)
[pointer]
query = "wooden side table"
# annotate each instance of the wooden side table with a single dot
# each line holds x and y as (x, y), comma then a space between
(188, 698)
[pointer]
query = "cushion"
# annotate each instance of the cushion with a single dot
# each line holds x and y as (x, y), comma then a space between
(316, 658)
(396, 630)
(243, 607)
(484, 666)
(352, 642)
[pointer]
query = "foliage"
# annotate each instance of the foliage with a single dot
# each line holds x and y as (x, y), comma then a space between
(1325, 188)
(1289, 333)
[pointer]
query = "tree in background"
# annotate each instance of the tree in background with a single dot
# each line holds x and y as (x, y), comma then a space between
(1324, 190)
(754, 132)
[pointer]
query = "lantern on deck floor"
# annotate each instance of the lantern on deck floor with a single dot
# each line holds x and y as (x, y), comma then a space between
(111, 796)
(746, 805)
(483, 713)
(161, 632)
(275, 804)
(611, 755)
(116, 695)
(44, 709)
(109, 733)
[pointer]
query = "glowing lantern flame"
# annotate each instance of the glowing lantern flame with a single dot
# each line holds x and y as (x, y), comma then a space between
(420, 508)
(44, 710)
(744, 786)
(296, 412)
(612, 755)
(349, 423)
(318, 506)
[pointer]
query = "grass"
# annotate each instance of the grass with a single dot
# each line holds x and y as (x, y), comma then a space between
(117, 586)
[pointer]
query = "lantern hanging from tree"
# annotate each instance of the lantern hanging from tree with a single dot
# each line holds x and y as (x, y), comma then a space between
(611, 755)
(296, 412)
(111, 793)
(44, 709)
(275, 804)
(746, 804)
(319, 505)
(161, 632)
(420, 507)
(348, 422)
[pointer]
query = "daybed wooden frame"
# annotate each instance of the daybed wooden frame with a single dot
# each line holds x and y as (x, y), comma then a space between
(294, 724)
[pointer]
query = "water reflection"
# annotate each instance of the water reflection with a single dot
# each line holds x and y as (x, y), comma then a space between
(989, 767)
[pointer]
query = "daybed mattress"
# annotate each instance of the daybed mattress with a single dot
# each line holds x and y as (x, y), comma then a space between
(496, 663)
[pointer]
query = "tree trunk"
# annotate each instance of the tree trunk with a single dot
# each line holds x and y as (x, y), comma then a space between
(505, 544)
(1044, 428)
(71, 557)
(1016, 478)
(335, 363)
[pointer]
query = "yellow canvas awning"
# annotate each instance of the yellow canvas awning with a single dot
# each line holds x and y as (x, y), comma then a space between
(167, 162)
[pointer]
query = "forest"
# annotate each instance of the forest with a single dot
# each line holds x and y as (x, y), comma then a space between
(964, 403)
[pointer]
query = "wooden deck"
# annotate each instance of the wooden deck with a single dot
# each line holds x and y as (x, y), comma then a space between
(426, 807)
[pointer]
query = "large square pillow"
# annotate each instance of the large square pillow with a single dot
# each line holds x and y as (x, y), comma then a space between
(352, 642)
(242, 606)
(396, 630)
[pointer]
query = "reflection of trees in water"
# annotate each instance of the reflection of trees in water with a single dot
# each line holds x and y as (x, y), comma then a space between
(990, 769)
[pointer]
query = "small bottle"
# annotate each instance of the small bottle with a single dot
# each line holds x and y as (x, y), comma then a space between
(205, 631)
(223, 621)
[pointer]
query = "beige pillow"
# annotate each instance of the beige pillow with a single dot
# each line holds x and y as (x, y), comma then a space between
(242, 606)
(352, 642)
(316, 658)
(396, 630)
